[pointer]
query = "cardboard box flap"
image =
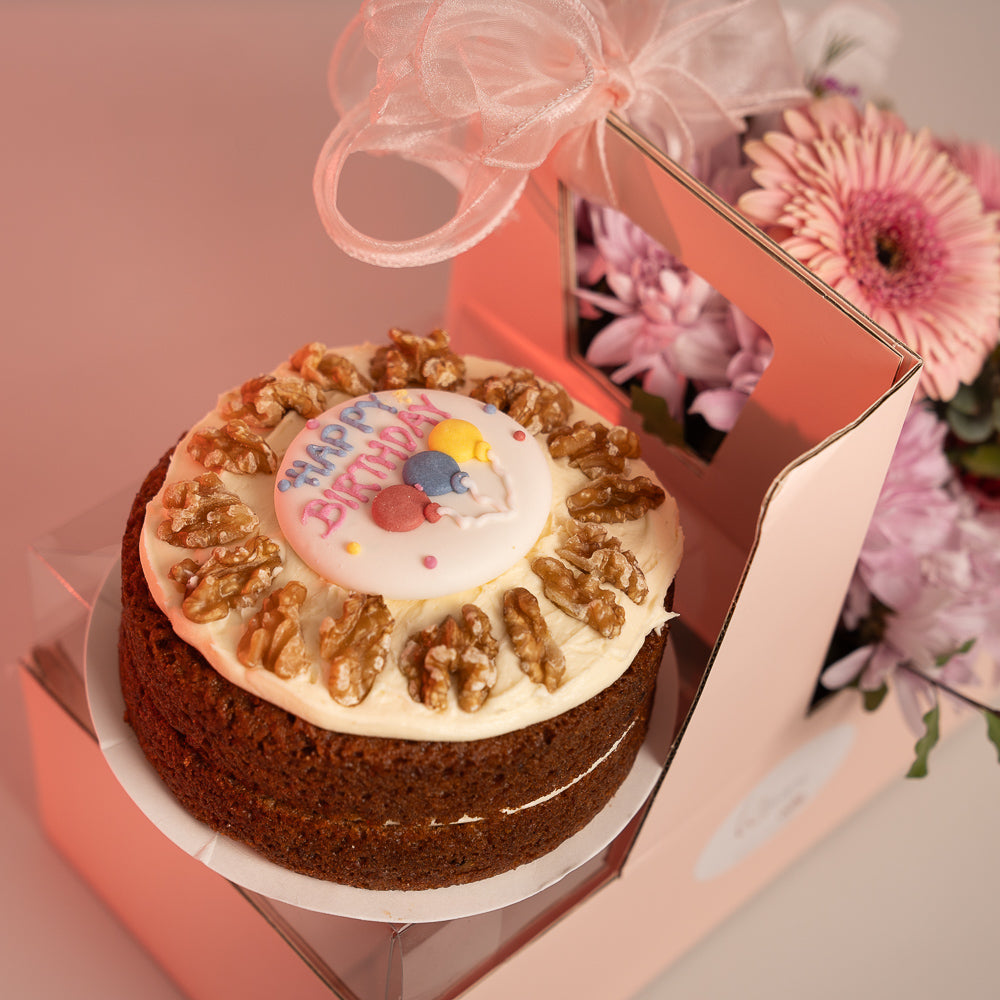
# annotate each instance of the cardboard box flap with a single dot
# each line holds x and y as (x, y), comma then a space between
(763, 670)
(830, 364)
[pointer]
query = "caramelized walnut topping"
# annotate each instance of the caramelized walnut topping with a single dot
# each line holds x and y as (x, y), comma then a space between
(266, 399)
(590, 548)
(233, 448)
(273, 636)
(580, 596)
(201, 514)
(465, 649)
(356, 645)
(426, 663)
(425, 362)
(476, 666)
(228, 579)
(541, 659)
(536, 407)
(593, 448)
(612, 499)
(329, 370)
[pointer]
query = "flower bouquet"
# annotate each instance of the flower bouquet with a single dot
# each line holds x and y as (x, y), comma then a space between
(905, 226)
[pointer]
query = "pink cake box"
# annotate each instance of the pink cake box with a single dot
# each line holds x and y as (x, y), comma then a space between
(754, 776)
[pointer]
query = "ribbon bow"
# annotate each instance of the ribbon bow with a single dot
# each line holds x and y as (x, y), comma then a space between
(484, 93)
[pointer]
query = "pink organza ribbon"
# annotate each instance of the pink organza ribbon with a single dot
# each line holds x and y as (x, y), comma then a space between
(485, 91)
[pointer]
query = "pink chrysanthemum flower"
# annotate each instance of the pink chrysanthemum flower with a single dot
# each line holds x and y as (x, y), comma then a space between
(927, 582)
(913, 517)
(720, 405)
(670, 324)
(884, 217)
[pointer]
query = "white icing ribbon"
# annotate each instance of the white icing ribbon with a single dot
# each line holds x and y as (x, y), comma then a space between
(484, 93)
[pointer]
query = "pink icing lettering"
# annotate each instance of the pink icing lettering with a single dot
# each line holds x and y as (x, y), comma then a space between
(346, 483)
(415, 415)
(414, 420)
(401, 436)
(380, 448)
(339, 499)
(331, 514)
(429, 407)
(361, 463)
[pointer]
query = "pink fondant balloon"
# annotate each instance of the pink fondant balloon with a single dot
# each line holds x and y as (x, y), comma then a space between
(399, 508)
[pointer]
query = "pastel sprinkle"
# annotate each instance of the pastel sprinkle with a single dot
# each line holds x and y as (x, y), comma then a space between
(430, 561)
(312, 423)
(519, 435)
(489, 408)
(353, 548)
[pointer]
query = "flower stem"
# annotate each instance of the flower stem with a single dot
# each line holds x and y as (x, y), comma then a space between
(941, 686)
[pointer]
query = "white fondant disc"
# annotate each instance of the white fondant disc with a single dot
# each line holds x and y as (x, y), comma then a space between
(464, 530)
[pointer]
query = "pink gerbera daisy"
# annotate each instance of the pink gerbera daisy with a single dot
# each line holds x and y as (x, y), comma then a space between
(884, 217)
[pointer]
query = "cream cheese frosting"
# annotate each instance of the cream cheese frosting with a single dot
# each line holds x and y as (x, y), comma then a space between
(515, 701)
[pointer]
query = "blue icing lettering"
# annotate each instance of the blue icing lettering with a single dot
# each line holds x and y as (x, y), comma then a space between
(352, 416)
(301, 474)
(321, 453)
(334, 435)
(373, 400)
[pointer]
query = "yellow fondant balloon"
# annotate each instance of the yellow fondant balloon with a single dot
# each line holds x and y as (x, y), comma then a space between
(459, 439)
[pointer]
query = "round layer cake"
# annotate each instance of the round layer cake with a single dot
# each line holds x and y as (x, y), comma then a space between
(394, 617)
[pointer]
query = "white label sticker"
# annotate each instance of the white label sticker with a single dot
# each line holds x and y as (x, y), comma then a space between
(777, 799)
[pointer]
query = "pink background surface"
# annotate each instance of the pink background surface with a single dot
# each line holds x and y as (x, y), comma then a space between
(159, 231)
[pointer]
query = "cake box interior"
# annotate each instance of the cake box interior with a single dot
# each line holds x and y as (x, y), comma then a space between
(755, 773)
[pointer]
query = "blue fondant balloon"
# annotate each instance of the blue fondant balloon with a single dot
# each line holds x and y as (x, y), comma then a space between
(432, 471)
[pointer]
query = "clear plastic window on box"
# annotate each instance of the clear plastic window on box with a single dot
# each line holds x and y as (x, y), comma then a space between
(354, 959)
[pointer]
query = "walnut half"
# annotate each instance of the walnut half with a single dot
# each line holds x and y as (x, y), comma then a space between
(594, 448)
(273, 636)
(541, 659)
(590, 548)
(536, 407)
(266, 399)
(233, 448)
(329, 370)
(426, 362)
(580, 596)
(356, 645)
(466, 650)
(201, 514)
(227, 580)
(612, 499)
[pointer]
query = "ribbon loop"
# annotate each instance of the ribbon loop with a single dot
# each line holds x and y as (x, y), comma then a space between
(484, 93)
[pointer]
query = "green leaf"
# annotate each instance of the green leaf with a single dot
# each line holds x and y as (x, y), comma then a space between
(993, 727)
(872, 699)
(942, 660)
(983, 460)
(965, 401)
(926, 743)
(972, 428)
(656, 418)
